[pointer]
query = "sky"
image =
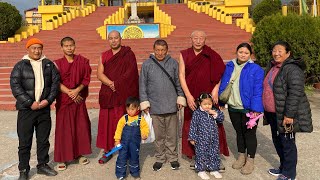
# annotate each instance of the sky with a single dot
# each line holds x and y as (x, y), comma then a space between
(22, 5)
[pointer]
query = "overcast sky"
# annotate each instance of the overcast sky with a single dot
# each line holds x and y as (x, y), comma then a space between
(22, 5)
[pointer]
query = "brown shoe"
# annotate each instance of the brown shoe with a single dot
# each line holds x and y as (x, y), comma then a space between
(239, 163)
(248, 167)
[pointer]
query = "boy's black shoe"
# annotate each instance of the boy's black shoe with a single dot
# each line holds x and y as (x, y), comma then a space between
(46, 170)
(175, 165)
(24, 175)
(157, 166)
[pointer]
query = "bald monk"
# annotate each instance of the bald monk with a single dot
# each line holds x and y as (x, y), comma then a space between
(200, 70)
(118, 72)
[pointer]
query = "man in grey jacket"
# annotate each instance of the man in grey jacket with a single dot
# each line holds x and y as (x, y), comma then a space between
(162, 96)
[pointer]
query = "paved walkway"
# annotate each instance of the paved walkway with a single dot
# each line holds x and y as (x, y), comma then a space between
(308, 154)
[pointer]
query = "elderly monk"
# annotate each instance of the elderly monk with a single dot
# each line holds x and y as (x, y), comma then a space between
(34, 83)
(200, 70)
(73, 127)
(118, 72)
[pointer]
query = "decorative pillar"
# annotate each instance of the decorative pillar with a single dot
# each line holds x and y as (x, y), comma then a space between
(42, 2)
(285, 10)
(82, 3)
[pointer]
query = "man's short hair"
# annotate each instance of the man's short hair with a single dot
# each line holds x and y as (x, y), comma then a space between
(134, 101)
(67, 39)
(193, 32)
(160, 42)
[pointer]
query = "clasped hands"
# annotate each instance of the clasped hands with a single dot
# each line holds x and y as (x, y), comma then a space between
(74, 94)
(39, 105)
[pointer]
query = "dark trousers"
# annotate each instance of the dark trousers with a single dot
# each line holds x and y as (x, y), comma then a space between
(285, 146)
(28, 121)
(130, 140)
(246, 138)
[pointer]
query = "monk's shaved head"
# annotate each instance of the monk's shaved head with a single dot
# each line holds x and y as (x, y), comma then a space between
(114, 39)
(114, 33)
(198, 40)
(198, 33)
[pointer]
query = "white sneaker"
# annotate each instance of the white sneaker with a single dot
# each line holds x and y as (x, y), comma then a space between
(216, 174)
(203, 175)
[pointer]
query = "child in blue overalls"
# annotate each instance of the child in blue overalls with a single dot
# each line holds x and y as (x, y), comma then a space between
(131, 128)
(205, 137)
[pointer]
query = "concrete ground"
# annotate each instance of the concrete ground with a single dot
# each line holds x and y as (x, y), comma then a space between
(307, 143)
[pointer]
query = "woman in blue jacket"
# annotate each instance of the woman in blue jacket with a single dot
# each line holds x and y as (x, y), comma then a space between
(246, 96)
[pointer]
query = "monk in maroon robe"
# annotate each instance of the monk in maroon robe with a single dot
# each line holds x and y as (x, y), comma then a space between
(73, 127)
(200, 70)
(118, 72)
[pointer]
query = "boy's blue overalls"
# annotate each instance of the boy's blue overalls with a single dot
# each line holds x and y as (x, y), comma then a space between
(130, 140)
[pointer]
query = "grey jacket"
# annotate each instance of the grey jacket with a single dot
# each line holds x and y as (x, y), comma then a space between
(156, 90)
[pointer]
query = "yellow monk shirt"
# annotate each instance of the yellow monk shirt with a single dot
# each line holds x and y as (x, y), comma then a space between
(144, 128)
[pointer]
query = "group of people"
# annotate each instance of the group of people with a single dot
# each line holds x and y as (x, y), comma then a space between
(195, 81)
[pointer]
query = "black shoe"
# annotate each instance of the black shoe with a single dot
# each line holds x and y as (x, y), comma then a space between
(46, 170)
(157, 166)
(175, 165)
(24, 175)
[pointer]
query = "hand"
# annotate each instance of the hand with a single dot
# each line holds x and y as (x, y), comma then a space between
(192, 142)
(215, 97)
(191, 103)
(78, 99)
(43, 103)
(111, 86)
(256, 114)
(73, 93)
(179, 106)
(146, 111)
(143, 137)
(213, 113)
(287, 120)
(221, 108)
(35, 106)
(116, 143)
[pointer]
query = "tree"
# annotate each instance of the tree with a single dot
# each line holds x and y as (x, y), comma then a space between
(301, 32)
(10, 20)
(265, 8)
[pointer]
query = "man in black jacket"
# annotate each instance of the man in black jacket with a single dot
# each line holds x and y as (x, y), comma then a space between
(34, 83)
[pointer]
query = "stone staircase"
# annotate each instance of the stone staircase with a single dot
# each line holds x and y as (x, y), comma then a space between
(223, 38)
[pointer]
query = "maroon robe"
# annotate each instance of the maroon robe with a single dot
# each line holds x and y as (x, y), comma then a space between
(73, 127)
(122, 69)
(203, 72)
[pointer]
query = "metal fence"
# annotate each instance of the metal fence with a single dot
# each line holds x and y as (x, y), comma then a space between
(310, 9)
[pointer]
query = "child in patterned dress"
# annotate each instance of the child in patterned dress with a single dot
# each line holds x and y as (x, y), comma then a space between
(205, 137)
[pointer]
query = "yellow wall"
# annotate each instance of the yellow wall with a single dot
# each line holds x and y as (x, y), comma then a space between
(237, 2)
(48, 12)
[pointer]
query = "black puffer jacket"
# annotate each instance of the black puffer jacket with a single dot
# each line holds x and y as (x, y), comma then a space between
(22, 82)
(290, 98)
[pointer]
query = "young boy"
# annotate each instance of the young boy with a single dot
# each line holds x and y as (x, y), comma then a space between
(131, 128)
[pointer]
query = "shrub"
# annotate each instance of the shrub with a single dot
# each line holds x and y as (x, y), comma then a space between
(10, 20)
(301, 32)
(265, 8)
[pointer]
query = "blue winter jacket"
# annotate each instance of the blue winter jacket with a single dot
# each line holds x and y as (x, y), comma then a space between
(251, 85)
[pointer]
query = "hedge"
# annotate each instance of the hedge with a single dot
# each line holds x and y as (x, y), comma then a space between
(266, 8)
(301, 32)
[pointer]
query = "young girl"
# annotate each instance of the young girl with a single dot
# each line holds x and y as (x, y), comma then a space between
(205, 137)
